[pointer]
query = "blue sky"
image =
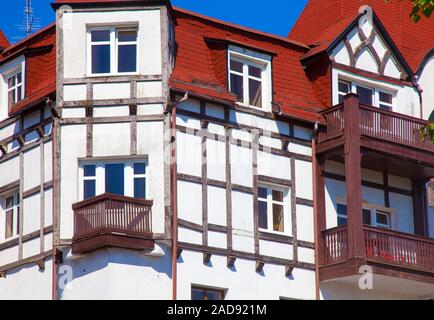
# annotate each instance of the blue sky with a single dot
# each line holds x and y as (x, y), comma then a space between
(277, 17)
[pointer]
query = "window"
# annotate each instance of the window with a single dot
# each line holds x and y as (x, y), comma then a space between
(200, 293)
(12, 213)
(121, 178)
(113, 50)
(272, 209)
(369, 96)
(372, 216)
(246, 81)
(15, 88)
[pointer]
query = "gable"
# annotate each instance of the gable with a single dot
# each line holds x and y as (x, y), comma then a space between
(367, 47)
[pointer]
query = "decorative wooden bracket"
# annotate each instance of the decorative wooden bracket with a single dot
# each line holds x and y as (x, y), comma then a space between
(3, 149)
(54, 112)
(205, 124)
(259, 266)
(2, 274)
(40, 131)
(206, 257)
(41, 264)
(231, 261)
(133, 109)
(58, 258)
(285, 145)
(20, 140)
(89, 111)
(288, 270)
(178, 253)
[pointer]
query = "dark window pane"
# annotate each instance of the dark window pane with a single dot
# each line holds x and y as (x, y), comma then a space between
(213, 295)
(255, 71)
(114, 178)
(365, 95)
(19, 79)
(236, 66)
(385, 97)
(100, 35)
(344, 87)
(9, 202)
(19, 94)
(382, 219)
(89, 170)
(237, 87)
(11, 82)
(262, 193)
(9, 224)
(342, 221)
(262, 213)
(140, 188)
(255, 93)
(206, 294)
(127, 58)
(341, 98)
(126, 36)
(101, 59)
(384, 107)
(277, 195)
(366, 216)
(11, 97)
(341, 209)
(139, 168)
(278, 218)
(18, 221)
(197, 294)
(89, 189)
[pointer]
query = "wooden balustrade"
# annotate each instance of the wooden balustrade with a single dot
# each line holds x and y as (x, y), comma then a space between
(112, 214)
(335, 245)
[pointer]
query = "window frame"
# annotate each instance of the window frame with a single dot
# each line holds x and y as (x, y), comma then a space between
(21, 85)
(353, 84)
(100, 176)
(220, 291)
(114, 52)
(286, 202)
(15, 215)
(258, 60)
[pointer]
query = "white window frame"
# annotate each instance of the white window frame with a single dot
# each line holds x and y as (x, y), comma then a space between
(375, 92)
(100, 176)
(15, 215)
(286, 208)
(390, 212)
(259, 60)
(114, 44)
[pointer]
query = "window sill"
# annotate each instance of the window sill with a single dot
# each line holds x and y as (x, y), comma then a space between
(112, 75)
(278, 233)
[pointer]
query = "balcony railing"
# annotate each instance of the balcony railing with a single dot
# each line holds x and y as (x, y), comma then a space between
(112, 215)
(383, 246)
(380, 124)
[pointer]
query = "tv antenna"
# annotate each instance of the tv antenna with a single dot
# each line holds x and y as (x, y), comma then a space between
(31, 23)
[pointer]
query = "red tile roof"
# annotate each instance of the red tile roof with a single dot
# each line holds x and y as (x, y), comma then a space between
(40, 52)
(322, 20)
(4, 42)
(201, 65)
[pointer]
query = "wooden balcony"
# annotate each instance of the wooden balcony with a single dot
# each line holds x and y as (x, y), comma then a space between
(110, 220)
(407, 255)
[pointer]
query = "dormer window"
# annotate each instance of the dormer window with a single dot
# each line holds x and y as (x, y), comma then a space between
(367, 95)
(15, 88)
(250, 78)
(112, 51)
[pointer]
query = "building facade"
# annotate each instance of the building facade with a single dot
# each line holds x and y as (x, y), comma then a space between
(148, 152)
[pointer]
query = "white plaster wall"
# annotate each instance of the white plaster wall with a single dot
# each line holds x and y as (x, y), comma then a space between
(110, 139)
(31, 213)
(190, 201)
(9, 130)
(303, 179)
(242, 221)
(241, 168)
(119, 90)
(275, 249)
(242, 281)
(119, 274)
(216, 159)
(32, 173)
(217, 239)
(9, 255)
(217, 205)
(74, 92)
(12, 167)
(32, 283)
(115, 111)
(272, 165)
(426, 82)
(305, 223)
(31, 248)
(74, 38)
(188, 152)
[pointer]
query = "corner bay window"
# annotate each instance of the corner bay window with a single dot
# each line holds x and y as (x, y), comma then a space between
(121, 178)
(272, 209)
(372, 216)
(15, 88)
(11, 206)
(113, 50)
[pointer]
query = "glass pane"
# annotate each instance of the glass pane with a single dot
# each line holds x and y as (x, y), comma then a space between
(18, 221)
(11, 97)
(385, 97)
(262, 215)
(366, 216)
(382, 219)
(262, 193)
(19, 80)
(365, 95)
(236, 66)
(213, 295)
(277, 195)
(140, 188)
(255, 71)
(19, 94)
(344, 87)
(9, 202)
(89, 189)
(9, 224)
(114, 178)
(100, 35)
(342, 221)
(139, 168)
(237, 86)
(127, 58)
(89, 170)
(255, 93)
(278, 217)
(341, 209)
(341, 98)
(11, 81)
(197, 294)
(125, 36)
(384, 107)
(101, 59)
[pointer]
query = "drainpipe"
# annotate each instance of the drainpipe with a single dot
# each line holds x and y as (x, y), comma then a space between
(419, 91)
(174, 170)
(315, 212)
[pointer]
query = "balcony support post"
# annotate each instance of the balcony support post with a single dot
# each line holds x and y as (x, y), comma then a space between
(353, 178)
(420, 207)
